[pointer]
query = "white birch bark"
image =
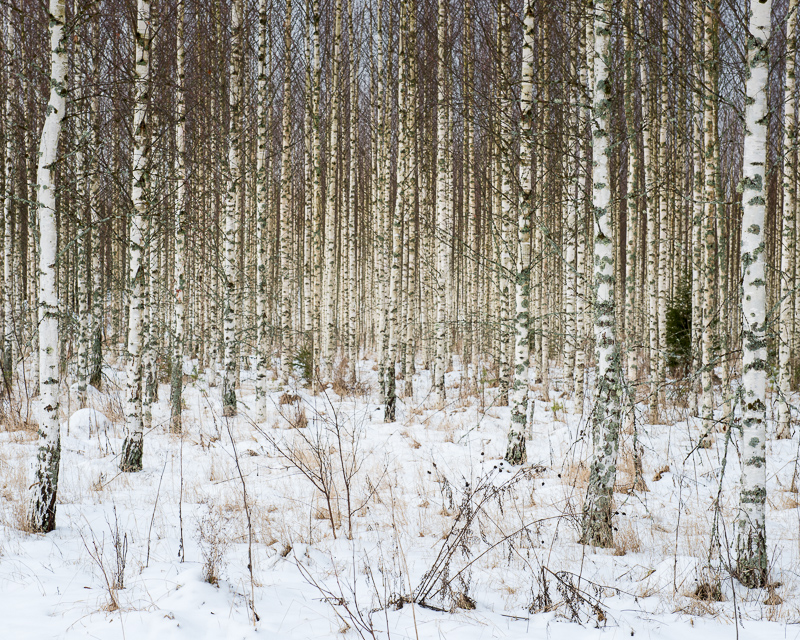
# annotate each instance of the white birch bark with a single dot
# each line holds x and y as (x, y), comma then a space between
(516, 451)
(84, 235)
(572, 196)
(396, 247)
(698, 177)
(262, 213)
(664, 217)
(597, 507)
(232, 204)
(98, 294)
(309, 201)
(179, 277)
(586, 46)
(506, 211)
(131, 458)
(709, 240)
(286, 252)
(632, 201)
(42, 514)
(330, 285)
(471, 262)
(443, 236)
(352, 244)
(788, 232)
(384, 221)
(8, 228)
(150, 258)
(212, 308)
(319, 204)
(751, 539)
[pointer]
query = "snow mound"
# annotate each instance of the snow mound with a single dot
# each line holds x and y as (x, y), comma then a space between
(87, 421)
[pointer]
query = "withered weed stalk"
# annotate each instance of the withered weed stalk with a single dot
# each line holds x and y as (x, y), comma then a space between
(214, 541)
(113, 570)
(446, 583)
(328, 452)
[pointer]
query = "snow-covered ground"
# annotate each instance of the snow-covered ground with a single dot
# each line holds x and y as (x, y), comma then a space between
(423, 509)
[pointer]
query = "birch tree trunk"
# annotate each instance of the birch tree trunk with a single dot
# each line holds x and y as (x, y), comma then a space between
(232, 204)
(42, 514)
(384, 222)
(751, 539)
(309, 197)
(396, 227)
(664, 217)
(319, 204)
(8, 227)
(287, 263)
(698, 177)
(262, 205)
(131, 457)
(709, 211)
(788, 233)
(442, 233)
(330, 285)
(469, 206)
(83, 232)
(352, 244)
(516, 452)
(597, 507)
(179, 280)
(586, 57)
(98, 293)
(632, 202)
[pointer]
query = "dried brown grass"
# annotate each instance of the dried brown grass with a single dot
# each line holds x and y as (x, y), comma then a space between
(626, 538)
(288, 398)
(344, 382)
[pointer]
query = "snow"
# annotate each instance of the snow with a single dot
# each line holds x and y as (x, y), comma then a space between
(408, 486)
(85, 422)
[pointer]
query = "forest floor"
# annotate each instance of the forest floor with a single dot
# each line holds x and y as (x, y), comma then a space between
(414, 529)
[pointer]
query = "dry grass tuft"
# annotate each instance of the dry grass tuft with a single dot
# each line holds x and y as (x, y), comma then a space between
(14, 490)
(213, 539)
(708, 591)
(626, 539)
(773, 599)
(412, 412)
(288, 398)
(660, 473)
(344, 382)
(628, 480)
(462, 601)
(787, 501)
(577, 475)
(20, 424)
(298, 418)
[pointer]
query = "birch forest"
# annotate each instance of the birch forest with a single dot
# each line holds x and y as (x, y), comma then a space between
(485, 307)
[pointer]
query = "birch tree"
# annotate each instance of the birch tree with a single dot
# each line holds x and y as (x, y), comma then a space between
(330, 284)
(131, 458)
(788, 231)
(8, 229)
(516, 452)
(232, 204)
(262, 212)
(287, 295)
(751, 537)
(443, 236)
(42, 514)
(179, 279)
(710, 198)
(597, 506)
